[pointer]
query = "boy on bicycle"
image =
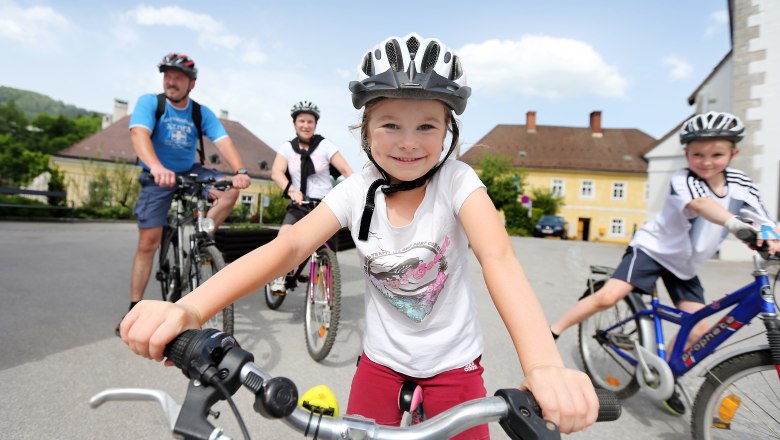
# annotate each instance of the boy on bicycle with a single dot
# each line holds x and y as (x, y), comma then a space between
(167, 148)
(704, 198)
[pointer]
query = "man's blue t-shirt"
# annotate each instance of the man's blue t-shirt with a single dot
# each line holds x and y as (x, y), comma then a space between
(176, 139)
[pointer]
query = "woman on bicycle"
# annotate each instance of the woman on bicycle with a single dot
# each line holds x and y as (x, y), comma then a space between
(302, 168)
(698, 213)
(412, 238)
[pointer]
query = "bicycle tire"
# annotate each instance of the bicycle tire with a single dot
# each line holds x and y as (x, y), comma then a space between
(738, 399)
(208, 262)
(167, 269)
(321, 321)
(606, 369)
(273, 299)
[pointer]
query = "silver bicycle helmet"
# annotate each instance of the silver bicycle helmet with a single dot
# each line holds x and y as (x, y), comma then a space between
(712, 125)
(305, 107)
(411, 67)
(181, 62)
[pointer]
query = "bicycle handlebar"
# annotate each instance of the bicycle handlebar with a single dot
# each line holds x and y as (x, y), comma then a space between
(194, 180)
(217, 367)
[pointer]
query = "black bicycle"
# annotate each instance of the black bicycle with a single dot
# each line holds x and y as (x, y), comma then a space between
(323, 296)
(188, 255)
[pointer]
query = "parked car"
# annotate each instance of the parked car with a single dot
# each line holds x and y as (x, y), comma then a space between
(551, 225)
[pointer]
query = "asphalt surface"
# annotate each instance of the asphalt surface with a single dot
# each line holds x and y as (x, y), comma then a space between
(64, 286)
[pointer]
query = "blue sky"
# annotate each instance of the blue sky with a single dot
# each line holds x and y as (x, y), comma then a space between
(636, 61)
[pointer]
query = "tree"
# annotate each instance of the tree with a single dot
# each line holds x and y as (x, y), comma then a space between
(503, 182)
(544, 200)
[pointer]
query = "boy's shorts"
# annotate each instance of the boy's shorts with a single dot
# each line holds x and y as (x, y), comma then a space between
(642, 271)
(375, 389)
(154, 201)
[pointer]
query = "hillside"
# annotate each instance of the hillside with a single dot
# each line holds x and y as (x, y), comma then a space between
(32, 104)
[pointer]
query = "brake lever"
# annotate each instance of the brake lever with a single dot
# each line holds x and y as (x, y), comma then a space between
(169, 406)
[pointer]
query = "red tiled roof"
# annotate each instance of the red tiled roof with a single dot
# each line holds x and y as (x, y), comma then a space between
(113, 144)
(576, 148)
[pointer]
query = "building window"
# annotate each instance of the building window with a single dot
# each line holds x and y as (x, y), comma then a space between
(558, 188)
(618, 190)
(618, 228)
(248, 200)
(587, 189)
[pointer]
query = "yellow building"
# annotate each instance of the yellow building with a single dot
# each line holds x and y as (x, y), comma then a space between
(110, 150)
(600, 173)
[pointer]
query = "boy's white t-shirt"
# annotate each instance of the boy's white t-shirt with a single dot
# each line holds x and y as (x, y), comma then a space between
(679, 239)
(319, 183)
(421, 316)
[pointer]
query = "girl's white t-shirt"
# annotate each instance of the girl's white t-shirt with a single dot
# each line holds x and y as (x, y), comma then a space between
(421, 316)
(319, 183)
(679, 239)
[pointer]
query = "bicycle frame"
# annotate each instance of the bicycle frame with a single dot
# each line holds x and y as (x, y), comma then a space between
(749, 301)
(313, 273)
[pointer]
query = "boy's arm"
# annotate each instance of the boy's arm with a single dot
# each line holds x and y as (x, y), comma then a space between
(566, 396)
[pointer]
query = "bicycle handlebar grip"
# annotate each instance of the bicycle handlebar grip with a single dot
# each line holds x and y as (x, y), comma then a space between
(195, 350)
(176, 350)
(609, 406)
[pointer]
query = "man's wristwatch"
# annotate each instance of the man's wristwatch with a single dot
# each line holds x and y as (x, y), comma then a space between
(241, 171)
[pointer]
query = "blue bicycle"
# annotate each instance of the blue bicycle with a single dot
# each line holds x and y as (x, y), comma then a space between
(623, 350)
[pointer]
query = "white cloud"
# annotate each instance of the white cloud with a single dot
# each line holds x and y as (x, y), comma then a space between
(718, 22)
(539, 65)
(679, 68)
(36, 26)
(210, 32)
(252, 53)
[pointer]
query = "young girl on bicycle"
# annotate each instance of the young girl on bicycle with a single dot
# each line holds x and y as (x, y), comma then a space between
(412, 238)
(705, 197)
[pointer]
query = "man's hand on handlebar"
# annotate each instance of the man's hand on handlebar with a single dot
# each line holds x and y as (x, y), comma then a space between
(163, 176)
(566, 396)
(241, 181)
(150, 325)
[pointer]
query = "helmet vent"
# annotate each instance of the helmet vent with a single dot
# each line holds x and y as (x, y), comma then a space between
(413, 44)
(368, 65)
(393, 50)
(457, 69)
(430, 58)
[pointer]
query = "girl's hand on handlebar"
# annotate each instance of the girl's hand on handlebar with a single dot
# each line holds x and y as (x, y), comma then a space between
(566, 397)
(150, 325)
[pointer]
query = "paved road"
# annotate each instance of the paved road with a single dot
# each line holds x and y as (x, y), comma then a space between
(63, 287)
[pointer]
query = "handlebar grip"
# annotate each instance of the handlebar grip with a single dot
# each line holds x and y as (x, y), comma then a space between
(176, 350)
(609, 406)
(195, 350)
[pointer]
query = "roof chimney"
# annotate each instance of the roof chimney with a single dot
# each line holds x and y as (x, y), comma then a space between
(120, 109)
(595, 124)
(223, 114)
(530, 121)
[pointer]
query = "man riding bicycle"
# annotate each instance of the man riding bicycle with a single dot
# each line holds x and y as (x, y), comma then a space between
(165, 137)
(302, 168)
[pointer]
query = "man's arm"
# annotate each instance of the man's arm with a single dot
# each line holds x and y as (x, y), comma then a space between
(142, 144)
(229, 152)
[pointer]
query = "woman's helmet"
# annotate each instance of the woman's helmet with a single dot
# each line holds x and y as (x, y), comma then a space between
(712, 125)
(410, 67)
(305, 107)
(181, 62)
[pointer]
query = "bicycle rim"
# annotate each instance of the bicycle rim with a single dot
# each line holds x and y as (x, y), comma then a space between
(323, 304)
(167, 270)
(602, 363)
(208, 262)
(740, 399)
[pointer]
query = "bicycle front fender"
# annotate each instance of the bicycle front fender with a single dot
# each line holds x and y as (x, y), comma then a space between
(717, 358)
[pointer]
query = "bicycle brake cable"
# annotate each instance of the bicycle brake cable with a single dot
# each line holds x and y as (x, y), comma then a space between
(221, 388)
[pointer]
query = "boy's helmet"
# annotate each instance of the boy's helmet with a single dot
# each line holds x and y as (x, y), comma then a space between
(181, 62)
(712, 125)
(305, 107)
(411, 67)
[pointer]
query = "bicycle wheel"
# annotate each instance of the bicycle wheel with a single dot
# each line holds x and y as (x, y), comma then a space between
(167, 269)
(604, 366)
(323, 305)
(739, 400)
(206, 263)
(273, 299)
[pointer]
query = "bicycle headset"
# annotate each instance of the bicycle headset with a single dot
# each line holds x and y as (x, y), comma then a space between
(408, 67)
(712, 125)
